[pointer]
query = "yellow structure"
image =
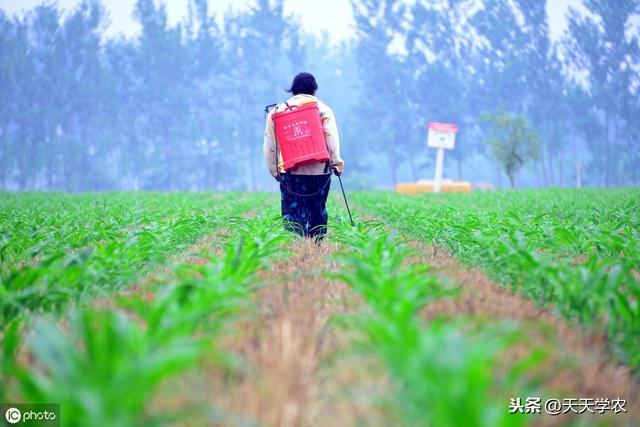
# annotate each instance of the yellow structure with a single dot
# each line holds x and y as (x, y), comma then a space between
(427, 187)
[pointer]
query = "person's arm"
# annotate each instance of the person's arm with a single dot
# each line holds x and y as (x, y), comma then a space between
(332, 137)
(269, 148)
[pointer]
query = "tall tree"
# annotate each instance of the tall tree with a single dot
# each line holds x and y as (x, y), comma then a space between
(259, 71)
(80, 89)
(513, 142)
(14, 68)
(162, 64)
(602, 47)
(439, 43)
(545, 97)
(385, 82)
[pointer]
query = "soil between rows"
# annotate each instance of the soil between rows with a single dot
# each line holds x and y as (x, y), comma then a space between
(577, 363)
(287, 346)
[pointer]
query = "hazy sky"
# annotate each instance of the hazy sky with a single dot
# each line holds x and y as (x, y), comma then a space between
(332, 16)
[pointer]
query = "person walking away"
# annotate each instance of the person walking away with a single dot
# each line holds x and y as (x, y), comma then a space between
(304, 189)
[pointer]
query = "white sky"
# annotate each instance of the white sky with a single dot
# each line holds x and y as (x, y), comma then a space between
(331, 16)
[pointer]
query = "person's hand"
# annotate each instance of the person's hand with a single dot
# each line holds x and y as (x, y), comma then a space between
(276, 177)
(338, 168)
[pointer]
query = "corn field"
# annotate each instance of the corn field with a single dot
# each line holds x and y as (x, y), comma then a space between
(199, 309)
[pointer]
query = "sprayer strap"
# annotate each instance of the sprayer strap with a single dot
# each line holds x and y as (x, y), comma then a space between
(311, 194)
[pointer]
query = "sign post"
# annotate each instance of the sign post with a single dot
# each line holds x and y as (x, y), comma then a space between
(441, 136)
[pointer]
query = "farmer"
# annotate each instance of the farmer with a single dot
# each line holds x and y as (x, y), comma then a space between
(304, 189)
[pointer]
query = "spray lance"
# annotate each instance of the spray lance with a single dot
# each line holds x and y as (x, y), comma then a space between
(339, 175)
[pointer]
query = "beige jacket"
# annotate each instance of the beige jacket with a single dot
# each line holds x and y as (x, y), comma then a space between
(330, 133)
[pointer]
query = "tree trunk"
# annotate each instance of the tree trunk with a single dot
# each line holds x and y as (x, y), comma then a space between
(577, 161)
(414, 171)
(606, 150)
(168, 160)
(552, 176)
(4, 161)
(614, 139)
(86, 178)
(537, 167)
(561, 169)
(252, 166)
(633, 172)
(393, 160)
(545, 176)
(22, 173)
(49, 161)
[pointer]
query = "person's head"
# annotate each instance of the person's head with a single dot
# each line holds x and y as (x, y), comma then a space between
(303, 83)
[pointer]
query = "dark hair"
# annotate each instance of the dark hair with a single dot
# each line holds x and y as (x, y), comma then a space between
(303, 83)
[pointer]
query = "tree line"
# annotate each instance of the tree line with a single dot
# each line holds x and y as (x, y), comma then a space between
(181, 107)
(456, 60)
(170, 109)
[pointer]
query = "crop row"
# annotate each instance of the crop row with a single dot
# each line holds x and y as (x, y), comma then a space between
(578, 251)
(108, 365)
(152, 231)
(442, 374)
(36, 225)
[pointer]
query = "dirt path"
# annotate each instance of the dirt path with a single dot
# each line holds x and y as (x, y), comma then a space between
(209, 242)
(283, 377)
(577, 365)
(287, 344)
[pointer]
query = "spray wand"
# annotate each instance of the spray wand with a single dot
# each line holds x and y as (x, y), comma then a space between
(344, 195)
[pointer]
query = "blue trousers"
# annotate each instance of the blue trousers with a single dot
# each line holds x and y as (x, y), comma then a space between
(303, 203)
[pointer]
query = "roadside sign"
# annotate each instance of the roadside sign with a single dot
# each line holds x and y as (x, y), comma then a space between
(442, 135)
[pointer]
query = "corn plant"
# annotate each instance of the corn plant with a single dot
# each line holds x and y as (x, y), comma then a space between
(442, 375)
(107, 367)
(576, 250)
(104, 370)
(116, 261)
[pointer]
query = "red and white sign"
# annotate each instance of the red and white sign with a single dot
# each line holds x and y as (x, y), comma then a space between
(442, 135)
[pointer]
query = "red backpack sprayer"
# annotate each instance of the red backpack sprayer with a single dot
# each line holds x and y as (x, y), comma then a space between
(299, 137)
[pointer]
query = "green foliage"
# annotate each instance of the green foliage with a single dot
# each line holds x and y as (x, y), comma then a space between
(442, 374)
(220, 286)
(601, 47)
(70, 246)
(168, 108)
(513, 143)
(106, 366)
(575, 250)
(104, 370)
